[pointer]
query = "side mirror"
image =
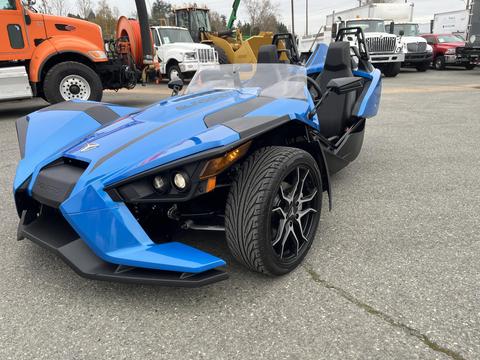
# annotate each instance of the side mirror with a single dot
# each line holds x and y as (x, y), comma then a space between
(392, 27)
(334, 30)
(176, 85)
(401, 32)
(345, 85)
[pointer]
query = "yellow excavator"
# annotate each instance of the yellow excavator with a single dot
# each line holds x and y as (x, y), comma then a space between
(231, 46)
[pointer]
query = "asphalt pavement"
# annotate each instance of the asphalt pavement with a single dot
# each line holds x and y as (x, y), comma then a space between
(394, 272)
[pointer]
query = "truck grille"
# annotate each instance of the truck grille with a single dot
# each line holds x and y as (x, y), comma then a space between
(207, 55)
(417, 47)
(381, 44)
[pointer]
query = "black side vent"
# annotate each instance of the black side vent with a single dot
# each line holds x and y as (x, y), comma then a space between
(55, 182)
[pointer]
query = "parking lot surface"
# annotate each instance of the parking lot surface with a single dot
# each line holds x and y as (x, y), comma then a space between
(394, 272)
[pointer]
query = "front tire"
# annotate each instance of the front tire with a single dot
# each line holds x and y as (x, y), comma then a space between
(439, 63)
(470, 66)
(174, 72)
(72, 81)
(222, 56)
(273, 210)
(392, 69)
(423, 67)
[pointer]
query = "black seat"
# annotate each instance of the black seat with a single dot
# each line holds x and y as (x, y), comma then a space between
(336, 112)
(268, 54)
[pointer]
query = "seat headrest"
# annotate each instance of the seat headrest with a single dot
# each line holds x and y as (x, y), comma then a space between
(338, 56)
(267, 54)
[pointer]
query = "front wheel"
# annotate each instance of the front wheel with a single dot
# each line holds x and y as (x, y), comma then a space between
(174, 72)
(273, 209)
(392, 69)
(72, 81)
(439, 63)
(423, 67)
(470, 66)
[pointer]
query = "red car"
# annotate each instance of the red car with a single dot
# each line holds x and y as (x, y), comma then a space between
(445, 51)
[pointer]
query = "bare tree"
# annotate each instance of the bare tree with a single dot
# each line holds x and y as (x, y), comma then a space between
(44, 7)
(261, 14)
(84, 7)
(59, 7)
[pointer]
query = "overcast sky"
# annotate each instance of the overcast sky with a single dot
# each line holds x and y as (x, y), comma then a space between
(424, 9)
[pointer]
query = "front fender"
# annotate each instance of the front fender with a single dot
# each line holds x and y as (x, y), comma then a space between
(59, 45)
(45, 134)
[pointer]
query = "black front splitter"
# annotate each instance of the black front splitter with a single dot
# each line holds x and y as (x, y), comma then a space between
(56, 234)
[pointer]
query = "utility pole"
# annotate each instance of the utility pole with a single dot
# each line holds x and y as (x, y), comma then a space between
(306, 17)
(293, 20)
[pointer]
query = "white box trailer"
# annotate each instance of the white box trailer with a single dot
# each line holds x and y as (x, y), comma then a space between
(452, 22)
(400, 12)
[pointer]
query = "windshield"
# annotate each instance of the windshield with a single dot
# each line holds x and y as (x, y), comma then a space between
(448, 39)
(408, 29)
(269, 80)
(368, 26)
(169, 36)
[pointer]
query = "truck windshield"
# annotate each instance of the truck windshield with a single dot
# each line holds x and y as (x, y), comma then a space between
(171, 35)
(449, 39)
(408, 29)
(268, 80)
(200, 18)
(368, 26)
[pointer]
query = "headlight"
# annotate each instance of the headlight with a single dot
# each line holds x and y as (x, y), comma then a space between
(188, 56)
(97, 55)
(473, 38)
(399, 49)
(451, 51)
(429, 49)
(181, 180)
(161, 184)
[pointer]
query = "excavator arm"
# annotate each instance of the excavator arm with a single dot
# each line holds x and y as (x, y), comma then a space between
(233, 15)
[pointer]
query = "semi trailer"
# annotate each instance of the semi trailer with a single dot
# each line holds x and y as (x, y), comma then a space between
(471, 50)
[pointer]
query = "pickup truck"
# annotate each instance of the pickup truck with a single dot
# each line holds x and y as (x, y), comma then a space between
(445, 51)
(179, 56)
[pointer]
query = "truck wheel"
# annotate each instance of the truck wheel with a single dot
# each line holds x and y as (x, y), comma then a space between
(174, 72)
(470, 66)
(72, 81)
(392, 70)
(423, 67)
(222, 56)
(273, 209)
(439, 63)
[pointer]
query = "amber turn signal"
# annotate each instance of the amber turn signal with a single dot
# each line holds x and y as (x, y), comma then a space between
(217, 165)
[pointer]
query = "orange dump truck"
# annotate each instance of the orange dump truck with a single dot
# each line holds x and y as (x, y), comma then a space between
(62, 58)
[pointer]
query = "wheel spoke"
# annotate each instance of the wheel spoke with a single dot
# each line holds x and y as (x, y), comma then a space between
(308, 198)
(284, 241)
(294, 191)
(300, 193)
(284, 197)
(280, 211)
(302, 213)
(297, 243)
(300, 227)
(280, 231)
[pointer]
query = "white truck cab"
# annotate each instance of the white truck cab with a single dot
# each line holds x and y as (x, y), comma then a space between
(418, 53)
(386, 50)
(178, 54)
